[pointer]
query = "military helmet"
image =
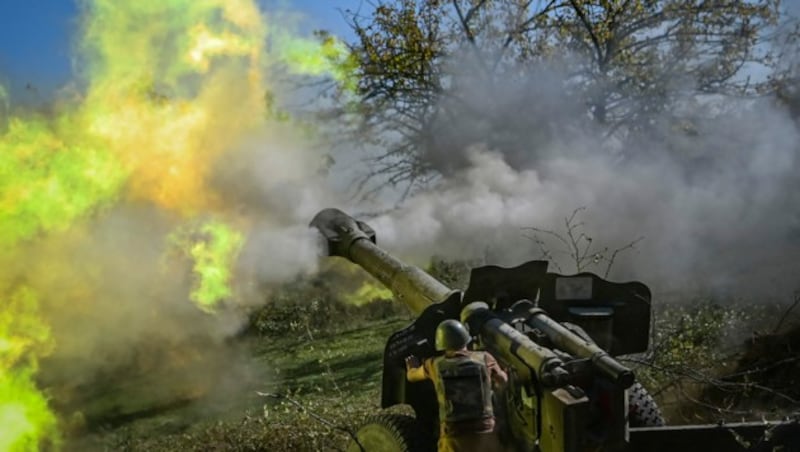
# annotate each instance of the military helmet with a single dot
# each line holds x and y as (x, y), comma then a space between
(451, 335)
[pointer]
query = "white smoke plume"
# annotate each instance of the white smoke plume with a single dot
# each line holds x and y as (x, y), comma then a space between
(717, 206)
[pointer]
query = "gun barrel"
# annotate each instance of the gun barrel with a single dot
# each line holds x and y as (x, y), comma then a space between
(580, 347)
(506, 342)
(355, 241)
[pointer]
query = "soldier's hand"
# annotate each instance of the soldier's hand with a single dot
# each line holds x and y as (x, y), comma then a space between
(412, 362)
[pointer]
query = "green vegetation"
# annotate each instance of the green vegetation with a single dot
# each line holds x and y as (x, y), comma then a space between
(334, 376)
(314, 369)
(317, 380)
(699, 367)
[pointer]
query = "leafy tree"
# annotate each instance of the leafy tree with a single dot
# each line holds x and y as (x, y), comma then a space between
(424, 65)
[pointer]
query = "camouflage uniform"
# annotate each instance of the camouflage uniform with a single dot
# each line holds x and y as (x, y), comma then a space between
(463, 382)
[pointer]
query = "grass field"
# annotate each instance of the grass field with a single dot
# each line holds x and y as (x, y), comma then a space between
(334, 377)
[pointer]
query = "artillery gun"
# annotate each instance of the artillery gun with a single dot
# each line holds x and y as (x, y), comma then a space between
(556, 335)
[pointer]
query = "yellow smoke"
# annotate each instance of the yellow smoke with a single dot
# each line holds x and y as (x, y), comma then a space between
(25, 419)
(169, 87)
(213, 247)
(367, 292)
(355, 286)
(172, 86)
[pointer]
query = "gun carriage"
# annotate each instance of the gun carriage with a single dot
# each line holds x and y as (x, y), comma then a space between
(556, 335)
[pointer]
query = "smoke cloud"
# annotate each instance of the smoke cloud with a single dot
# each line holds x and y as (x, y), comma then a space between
(716, 205)
(152, 206)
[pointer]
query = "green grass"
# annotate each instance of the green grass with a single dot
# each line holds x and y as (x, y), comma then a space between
(334, 376)
(351, 358)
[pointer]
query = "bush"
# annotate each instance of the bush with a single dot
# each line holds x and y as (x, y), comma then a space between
(315, 305)
(696, 348)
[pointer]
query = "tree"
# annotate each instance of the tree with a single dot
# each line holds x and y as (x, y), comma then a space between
(424, 65)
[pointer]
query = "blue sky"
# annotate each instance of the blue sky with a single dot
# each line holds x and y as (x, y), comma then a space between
(36, 38)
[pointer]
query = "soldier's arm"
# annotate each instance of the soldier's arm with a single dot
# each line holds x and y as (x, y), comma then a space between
(499, 376)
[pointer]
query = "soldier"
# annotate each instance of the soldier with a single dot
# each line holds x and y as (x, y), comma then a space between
(463, 381)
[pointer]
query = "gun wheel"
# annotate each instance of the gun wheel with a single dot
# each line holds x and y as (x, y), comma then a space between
(389, 433)
(642, 409)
